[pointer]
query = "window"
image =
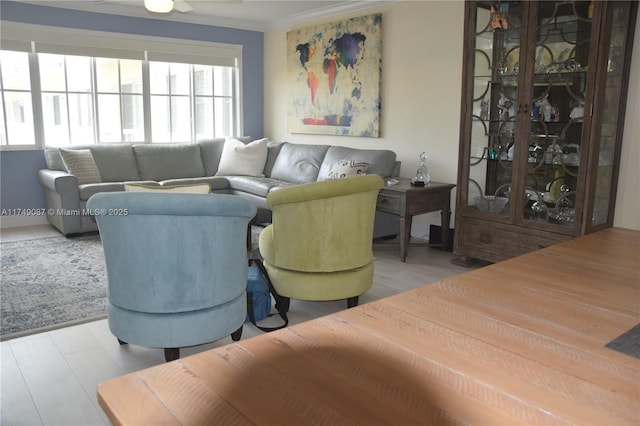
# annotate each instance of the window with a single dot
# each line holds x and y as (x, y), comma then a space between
(119, 100)
(57, 95)
(67, 112)
(17, 111)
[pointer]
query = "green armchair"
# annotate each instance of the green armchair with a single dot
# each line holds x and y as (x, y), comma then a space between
(319, 245)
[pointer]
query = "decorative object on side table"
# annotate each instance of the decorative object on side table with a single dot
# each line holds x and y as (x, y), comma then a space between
(422, 174)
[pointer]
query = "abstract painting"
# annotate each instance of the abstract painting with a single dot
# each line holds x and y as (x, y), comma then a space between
(334, 78)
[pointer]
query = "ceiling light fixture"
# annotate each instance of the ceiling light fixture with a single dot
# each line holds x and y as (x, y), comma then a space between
(159, 6)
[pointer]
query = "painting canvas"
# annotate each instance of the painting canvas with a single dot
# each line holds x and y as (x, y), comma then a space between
(334, 78)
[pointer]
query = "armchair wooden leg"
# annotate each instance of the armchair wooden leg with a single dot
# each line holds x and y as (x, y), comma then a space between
(352, 301)
(236, 335)
(171, 354)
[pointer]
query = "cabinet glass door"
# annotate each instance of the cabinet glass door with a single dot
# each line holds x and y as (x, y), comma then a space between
(609, 133)
(557, 91)
(493, 119)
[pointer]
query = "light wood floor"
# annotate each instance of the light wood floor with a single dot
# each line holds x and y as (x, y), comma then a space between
(51, 378)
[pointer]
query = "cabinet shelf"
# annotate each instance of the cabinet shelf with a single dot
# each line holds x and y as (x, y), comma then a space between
(561, 123)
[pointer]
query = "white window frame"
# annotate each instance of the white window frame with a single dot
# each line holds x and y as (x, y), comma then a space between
(66, 41)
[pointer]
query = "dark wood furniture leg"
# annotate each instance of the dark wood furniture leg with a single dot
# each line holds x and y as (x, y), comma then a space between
(405, 236)
(445, 216)
(352, 302)
(171, 354)
(236, 335)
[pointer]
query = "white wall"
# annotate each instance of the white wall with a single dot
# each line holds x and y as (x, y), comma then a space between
(421, 84)
(628, 195)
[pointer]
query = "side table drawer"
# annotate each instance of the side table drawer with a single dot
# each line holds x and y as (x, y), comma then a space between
(388, 203)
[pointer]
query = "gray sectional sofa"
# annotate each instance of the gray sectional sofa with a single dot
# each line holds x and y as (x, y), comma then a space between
(181, 164)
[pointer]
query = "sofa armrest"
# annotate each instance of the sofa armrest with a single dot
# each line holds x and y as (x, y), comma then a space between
(58, 181)
(62, 200)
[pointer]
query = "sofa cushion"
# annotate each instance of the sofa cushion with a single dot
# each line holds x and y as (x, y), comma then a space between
(299, 163)
(240, 159)
(168, 161)
(273, 149)
(211, 150)
(116, 161)
(80, 163)
(381, 161)
(254, 185)
(89, 189)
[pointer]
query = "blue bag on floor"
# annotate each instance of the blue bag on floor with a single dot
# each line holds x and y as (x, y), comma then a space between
(258, 295)
(259, 292)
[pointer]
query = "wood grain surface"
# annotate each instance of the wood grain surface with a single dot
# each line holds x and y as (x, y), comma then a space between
(518, 342)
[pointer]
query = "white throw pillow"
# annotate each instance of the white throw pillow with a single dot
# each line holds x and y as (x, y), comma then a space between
(200, 188)
(80, 163)
(239, 159)
(347, 168)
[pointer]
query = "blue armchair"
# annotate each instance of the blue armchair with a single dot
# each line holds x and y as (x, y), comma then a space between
(176, 266)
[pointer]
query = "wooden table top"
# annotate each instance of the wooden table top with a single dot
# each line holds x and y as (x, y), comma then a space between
(518, 342)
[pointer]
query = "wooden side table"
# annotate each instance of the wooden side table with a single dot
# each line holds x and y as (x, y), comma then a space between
(407, 201)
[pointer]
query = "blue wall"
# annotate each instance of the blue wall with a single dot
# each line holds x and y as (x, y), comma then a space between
(19, 187)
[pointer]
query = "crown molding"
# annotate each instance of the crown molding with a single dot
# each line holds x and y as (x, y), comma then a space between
(325, 13)
(115, 8)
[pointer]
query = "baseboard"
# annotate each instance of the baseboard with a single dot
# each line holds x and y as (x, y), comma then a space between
(16, 221)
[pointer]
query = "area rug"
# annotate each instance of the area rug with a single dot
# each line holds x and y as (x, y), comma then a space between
(48, 283)
(627, 343)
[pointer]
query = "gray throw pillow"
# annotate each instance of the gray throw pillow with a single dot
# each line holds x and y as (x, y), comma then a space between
(80, 163)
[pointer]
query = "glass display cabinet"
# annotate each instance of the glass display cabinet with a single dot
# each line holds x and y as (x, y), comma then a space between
(543, 98)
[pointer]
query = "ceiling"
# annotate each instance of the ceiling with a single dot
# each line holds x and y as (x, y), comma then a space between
(257, 15)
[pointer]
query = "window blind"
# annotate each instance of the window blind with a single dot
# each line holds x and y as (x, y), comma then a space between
(65, 41)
